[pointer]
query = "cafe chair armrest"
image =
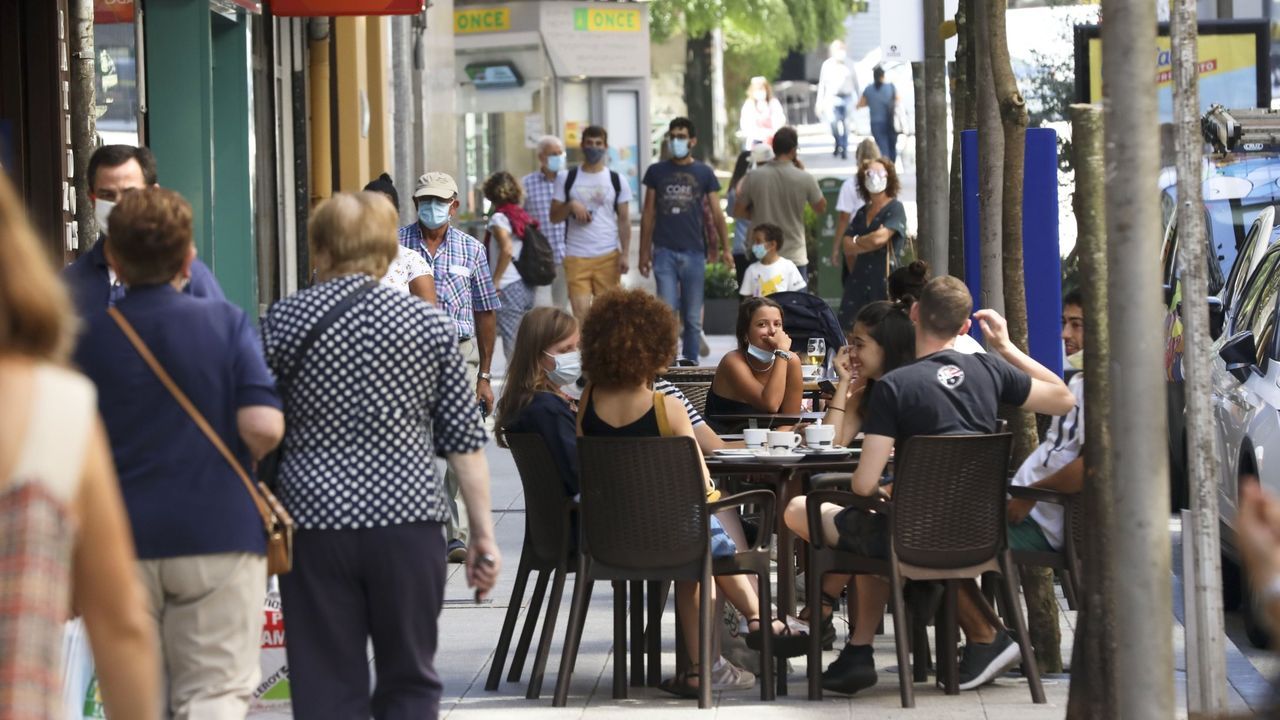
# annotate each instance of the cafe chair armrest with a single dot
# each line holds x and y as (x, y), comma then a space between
(831, 481)
(844, 498)
(1020, 492)
(765, 499)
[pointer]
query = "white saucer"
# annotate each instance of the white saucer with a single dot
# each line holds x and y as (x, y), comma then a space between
(788, 457)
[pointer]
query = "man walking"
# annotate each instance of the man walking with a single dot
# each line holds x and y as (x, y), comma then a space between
(597, 204)
(835, 89)
(113, 171)
(464, 287)
(675, 191)
(777, 193)
(881, 99)
(539, 189)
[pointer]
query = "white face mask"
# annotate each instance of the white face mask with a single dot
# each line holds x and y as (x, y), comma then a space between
(760, 353)
(876, 183)
(567, 370)
(101, 210)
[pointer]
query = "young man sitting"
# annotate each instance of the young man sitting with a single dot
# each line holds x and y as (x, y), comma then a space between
(943, 393)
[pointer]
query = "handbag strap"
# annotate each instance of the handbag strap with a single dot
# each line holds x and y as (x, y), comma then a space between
(268, 517)
(329, 318)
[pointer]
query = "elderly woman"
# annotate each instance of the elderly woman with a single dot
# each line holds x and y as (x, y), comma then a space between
(369, 403)
(873, 238)
(763, 375)
(506, 226)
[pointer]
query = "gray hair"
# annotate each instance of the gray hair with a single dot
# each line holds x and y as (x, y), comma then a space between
(546, 141)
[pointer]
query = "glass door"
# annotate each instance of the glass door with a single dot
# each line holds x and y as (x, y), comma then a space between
(622, 120)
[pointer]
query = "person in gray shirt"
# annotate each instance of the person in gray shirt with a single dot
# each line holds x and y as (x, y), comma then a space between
(881, 98)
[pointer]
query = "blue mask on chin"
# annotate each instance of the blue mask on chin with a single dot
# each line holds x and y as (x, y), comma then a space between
(434, 213)
(759, 353)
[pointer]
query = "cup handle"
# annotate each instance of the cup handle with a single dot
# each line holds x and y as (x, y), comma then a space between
(795, 439)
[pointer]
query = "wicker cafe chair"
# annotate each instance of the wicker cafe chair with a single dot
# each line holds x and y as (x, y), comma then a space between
(546, 549)
(644, 516)
(678, 374)
(696, 393)
(1067, 560)
(947, 523)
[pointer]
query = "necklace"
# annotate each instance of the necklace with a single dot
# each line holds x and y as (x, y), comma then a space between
(753, 368)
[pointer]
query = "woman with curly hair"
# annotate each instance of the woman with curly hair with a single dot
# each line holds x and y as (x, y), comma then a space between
(762, 375)
(506, 228)
(628, 338)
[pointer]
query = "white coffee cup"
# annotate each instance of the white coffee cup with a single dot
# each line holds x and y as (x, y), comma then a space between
(781, 442)
(754, 438)
(820, 436)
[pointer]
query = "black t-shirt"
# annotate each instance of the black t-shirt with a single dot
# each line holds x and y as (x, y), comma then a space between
(946, 393)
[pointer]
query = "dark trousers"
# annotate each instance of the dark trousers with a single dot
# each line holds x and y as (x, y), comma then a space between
(349, 585)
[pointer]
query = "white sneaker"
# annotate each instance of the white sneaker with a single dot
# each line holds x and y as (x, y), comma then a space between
(727, 676)
(703, 347)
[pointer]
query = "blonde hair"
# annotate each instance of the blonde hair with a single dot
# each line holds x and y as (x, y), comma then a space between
(36, 319)
(540, 328)
(353, 233)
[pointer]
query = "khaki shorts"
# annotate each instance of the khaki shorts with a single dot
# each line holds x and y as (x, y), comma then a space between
(592, 276)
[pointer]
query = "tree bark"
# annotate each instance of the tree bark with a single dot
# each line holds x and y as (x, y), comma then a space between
(697, 88)
(965, 113)
(990, 168)
(935, 163)
(924, 181)
(1206, 641)
(1140, 541)
(1093, 692)
(83, 116)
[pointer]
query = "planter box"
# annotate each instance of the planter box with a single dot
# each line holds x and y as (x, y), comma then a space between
(720, 316)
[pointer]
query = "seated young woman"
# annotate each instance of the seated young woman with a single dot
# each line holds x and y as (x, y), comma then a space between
(627, 339)
(882, 339)
(762, 375)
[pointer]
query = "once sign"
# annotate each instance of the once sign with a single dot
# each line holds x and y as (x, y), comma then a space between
(600, 20)
(481, 20)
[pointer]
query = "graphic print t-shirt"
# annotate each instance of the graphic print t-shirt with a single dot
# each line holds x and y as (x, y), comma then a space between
(679, 192)
(595, 191)
(781, 276)
(946, 393)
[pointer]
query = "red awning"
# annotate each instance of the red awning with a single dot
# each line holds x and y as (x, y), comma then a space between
(321, 8)
(108, 12)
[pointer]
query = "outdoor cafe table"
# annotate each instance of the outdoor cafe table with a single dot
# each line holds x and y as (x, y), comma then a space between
(768, 420)
(781, 475)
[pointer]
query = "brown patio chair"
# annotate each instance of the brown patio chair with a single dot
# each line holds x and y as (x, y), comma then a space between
(1066, 562)
(548, 525)
(696, 392)
(946, 523)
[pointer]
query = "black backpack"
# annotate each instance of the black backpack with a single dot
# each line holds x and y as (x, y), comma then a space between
(536, 264)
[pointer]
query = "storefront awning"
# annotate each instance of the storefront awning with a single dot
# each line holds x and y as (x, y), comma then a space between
(322, 8)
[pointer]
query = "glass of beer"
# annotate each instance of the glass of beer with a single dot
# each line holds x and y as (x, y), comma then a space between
(817, 351)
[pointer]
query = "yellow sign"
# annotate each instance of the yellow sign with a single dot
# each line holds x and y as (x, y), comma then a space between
(1228, 65)
(606, 20)
(481, 20)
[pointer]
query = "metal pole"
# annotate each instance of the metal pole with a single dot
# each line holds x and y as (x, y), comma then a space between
(935, 163)
(83, 116)
(1206, 654)
(1144, 611)
(924, 181)
(990, 168)
(405, 118)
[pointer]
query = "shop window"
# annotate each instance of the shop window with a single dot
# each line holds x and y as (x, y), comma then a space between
(116, 90)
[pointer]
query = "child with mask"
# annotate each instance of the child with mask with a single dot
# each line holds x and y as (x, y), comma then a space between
(771, 272)
(761, 376)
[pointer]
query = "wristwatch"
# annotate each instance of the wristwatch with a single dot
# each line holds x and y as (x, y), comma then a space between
(484, 376)
(782, 354)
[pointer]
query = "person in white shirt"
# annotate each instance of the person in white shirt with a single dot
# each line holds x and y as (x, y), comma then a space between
(848, 204)
(761, 115)
(835, 89)
(409, 273)
(597, 203)
(771, 272)
(506, 228)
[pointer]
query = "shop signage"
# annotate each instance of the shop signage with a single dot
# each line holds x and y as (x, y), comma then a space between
(109, 12)
(320, 8)
(606, 20)
(494, 75)
(481, 20)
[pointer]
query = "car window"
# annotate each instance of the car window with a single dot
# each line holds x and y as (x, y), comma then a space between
(1259, 285)
(1264, 338)
(1240, 268)
(1169, 254)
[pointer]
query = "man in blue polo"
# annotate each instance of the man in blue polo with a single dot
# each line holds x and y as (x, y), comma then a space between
(113, 171)
(464, 288)
(673, 239)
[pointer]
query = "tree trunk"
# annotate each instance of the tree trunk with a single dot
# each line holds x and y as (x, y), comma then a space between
(1206, 641)
(924, 181)
(990, 170)
(1093, 691)
(935, 163)
(966, 118)
(1140, 542)
(83, 115)
(697, 89)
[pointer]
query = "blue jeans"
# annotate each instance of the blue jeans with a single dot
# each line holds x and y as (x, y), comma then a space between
(680, 275)
(840, 124)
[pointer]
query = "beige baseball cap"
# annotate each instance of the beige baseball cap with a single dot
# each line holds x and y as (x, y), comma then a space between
(436, 184)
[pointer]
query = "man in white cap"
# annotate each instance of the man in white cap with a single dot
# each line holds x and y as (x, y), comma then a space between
(464, 286)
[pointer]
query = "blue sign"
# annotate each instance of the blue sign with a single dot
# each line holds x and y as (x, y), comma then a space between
(1041, 261)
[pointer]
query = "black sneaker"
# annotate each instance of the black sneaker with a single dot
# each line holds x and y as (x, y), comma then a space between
(854, 670)
(982, 663)
(456, 552)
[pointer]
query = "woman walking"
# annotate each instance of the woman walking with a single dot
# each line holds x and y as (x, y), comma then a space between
(506, 228)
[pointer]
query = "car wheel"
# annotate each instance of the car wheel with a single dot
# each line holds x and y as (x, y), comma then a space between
(1255, 627)
(1231, 585)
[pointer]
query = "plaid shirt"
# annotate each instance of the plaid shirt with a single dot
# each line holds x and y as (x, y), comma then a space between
(464, 284)
(537, 202)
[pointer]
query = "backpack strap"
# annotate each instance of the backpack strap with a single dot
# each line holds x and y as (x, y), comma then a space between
(568, 182)
(660, 409)
(617, 189)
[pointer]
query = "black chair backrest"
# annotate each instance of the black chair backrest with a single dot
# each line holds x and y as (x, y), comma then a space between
(807, 316)
(544, 496)
(643, 502)
(949, 499)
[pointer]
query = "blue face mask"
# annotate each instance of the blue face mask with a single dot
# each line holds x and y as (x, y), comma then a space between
(759, 353)
(759, 251)
(680, 148)
(434, 213)
(555, 163)
(594, 154)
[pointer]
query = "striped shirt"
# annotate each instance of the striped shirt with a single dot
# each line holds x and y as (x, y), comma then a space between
(666, 388)
(464, 284)
(538, 191)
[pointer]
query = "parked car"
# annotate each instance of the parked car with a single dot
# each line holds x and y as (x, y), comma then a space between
(1246, 412)
(1237, 188)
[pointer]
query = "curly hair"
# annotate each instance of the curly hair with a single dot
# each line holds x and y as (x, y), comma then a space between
(891, 189)
(503, 189)
(627, 338)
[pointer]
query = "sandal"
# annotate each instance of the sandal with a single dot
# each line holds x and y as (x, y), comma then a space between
(679, 685)
(786, 644)
(828, 620)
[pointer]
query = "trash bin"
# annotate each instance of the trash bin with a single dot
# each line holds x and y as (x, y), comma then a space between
(829, 286)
